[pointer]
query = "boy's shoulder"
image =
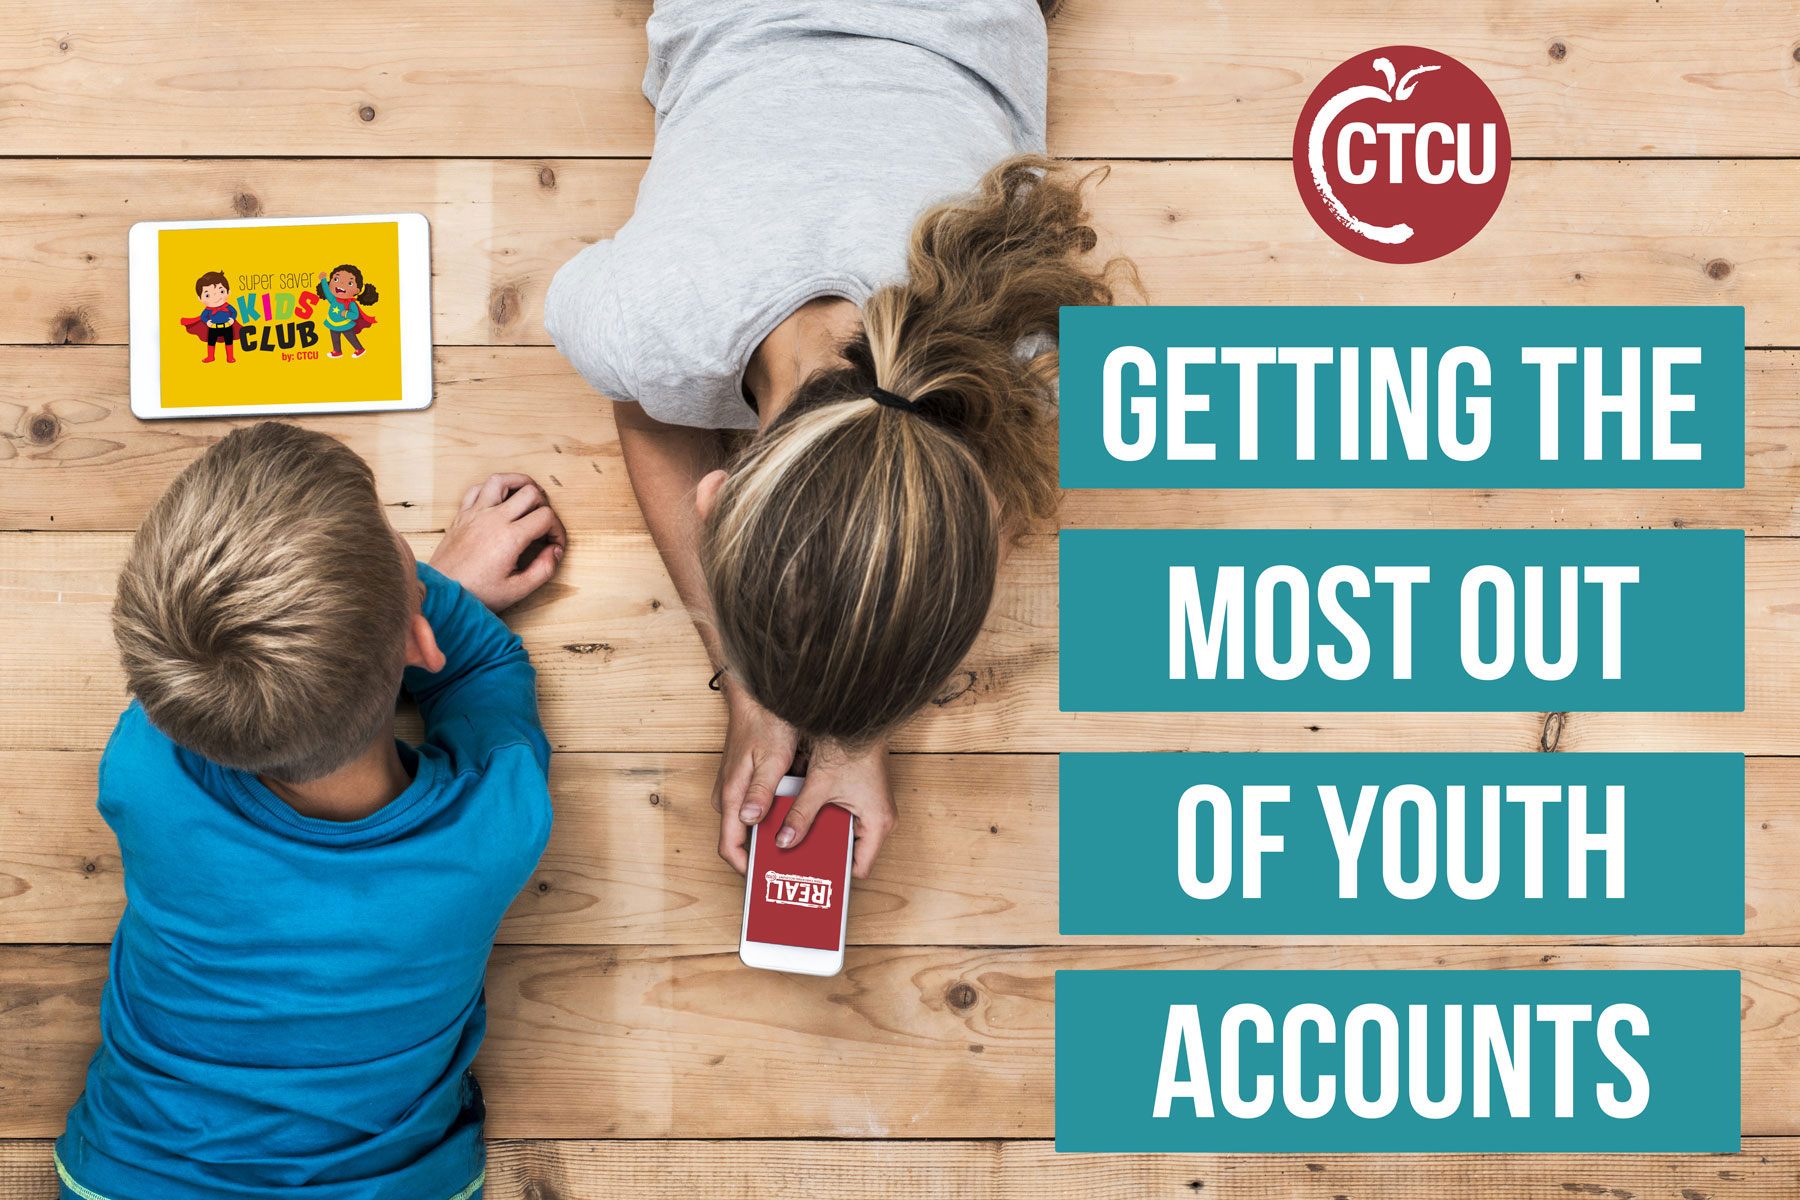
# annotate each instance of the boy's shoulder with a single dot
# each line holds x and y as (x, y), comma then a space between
(493, 749)
(134, 735)
(503, 787)
(140, 761)
(138, 751)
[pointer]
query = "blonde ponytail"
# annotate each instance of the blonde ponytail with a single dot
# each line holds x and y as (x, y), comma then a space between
(986, 278)
(850, 555)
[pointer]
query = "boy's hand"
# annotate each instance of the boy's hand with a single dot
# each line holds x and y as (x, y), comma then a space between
(485, 547)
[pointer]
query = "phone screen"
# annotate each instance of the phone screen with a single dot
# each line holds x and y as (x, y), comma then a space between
(797, 895)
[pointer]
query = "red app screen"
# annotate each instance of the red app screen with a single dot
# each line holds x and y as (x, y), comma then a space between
(797, 894)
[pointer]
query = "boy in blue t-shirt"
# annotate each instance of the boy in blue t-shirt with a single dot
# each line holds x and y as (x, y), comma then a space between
(295, 992)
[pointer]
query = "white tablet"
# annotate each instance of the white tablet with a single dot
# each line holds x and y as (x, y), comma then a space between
(283, 315)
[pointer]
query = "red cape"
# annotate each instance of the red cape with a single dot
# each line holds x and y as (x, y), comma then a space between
(197, 326)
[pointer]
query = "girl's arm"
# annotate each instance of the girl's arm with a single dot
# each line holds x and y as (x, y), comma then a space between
(666, 464)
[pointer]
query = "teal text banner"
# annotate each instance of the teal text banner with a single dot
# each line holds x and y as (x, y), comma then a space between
(1425, 397)
(1397, 1061)
(1401, 620)
(1455, 844)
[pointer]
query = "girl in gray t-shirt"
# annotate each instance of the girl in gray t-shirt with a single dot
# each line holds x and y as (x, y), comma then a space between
(806, 261)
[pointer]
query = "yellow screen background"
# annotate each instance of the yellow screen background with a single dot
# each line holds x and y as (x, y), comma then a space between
(290, 258)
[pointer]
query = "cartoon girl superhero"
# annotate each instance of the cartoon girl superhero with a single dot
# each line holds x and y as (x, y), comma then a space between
(345, 294)
(217, 321)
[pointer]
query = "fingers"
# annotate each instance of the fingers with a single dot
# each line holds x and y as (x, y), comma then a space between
(734, 780)
(538, 572)
(532, 517)
(734, 841)
(523, 499)
(555, 532)
(759, 796)
(733, 836)
(871, 832)
(468, 500)
(494, 488)
(540, 522)
(800, 817)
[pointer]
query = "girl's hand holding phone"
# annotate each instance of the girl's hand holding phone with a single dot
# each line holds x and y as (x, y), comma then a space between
(760, 749)
(797, 900)
(858, 783)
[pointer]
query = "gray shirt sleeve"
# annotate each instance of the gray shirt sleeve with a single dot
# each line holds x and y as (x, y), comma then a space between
(581, 316)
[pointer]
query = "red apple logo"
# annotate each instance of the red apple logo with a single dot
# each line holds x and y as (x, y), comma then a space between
(1401, 154)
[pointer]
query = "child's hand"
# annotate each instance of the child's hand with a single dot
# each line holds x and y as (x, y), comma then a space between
(485, 547)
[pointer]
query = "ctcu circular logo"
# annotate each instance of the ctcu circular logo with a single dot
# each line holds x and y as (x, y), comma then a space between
(1401, 154)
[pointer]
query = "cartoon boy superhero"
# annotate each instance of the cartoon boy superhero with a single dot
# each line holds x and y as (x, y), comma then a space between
(345, 294)
(217, 321)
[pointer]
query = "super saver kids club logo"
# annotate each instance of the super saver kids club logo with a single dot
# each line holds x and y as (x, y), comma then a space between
(1401, 154)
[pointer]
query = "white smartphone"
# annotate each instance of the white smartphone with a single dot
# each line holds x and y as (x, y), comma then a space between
(797, 901)
(280, 315)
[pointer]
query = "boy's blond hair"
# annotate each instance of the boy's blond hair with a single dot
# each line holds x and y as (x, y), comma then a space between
(262, 613)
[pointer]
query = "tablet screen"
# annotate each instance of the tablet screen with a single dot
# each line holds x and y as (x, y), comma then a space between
(267, 315)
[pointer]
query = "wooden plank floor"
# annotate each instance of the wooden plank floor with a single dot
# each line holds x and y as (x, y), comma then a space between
(1658, 154)
(1618, 231)
(1134, 78)
(1025, 1169)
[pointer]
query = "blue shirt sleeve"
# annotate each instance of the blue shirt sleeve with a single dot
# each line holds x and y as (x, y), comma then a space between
(486, 695)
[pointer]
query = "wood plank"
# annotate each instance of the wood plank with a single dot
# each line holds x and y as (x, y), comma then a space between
(1763, 1169)
(398, 79)
(1573, 233)
(50, 1020)
(620, 668)
(73, 457)
(631, 858)
(499, 229)
(1583, 232)
(1167, 79)
(908, 1042)
(1138, 78)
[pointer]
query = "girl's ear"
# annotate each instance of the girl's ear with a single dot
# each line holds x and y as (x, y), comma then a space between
(707, 493)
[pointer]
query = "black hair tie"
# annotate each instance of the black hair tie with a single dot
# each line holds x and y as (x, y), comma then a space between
(889, 400)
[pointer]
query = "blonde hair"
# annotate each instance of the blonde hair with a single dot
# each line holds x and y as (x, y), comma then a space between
(261, 615)
(850, 554)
